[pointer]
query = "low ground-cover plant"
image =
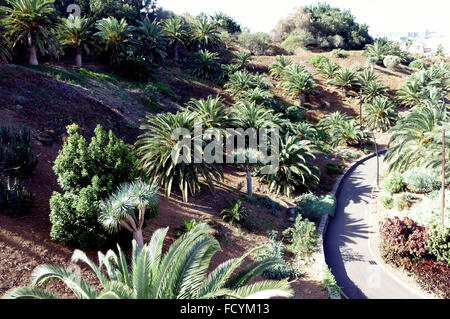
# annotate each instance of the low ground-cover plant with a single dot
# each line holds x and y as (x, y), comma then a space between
(87, 173)
(421, 180)
(339, 53)
(386, 200)
(276, 249)
(15, 199)
(428, 212)
(302, 238)
(330, 282)
(234, 212)
(312, 206)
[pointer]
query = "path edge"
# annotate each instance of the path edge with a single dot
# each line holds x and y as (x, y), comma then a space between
(322, 230)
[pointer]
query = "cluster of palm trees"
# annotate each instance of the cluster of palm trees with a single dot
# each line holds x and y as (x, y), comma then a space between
(35, 25)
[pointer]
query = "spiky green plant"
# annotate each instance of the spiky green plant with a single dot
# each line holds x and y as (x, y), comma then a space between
(175, 30)
(242, 58)
(243, 80)
(127, 208)
(278, 66)
(379, 114)
(246, 114)
(75, 33)
(342, 129)
(295, 168)
(366, 76)
(410, 94)
(5, 53)
(371, 90)
(297, 82)
(204, 34)
(304, 130)
(206, 65)
(257, 95)
(161, 154)
(151, 39)
(211, 112)
(328, 69)
(33, 23)
(234, 213)
(346, 80)
(180, 273)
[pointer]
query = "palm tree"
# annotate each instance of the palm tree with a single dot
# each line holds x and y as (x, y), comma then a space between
(246, 114)
(204, 34)
(410, 94)
(127, 207)
(32, 22)
(175, 31)
(328, 69)
(151, 39)
(211, 112)
(379, 114)
(345, 79)
(181, 273)
(206, 65)
(75, 32)
(371, 90)
(295, 168)
(297, 82)
(160, 154)
(278, 66)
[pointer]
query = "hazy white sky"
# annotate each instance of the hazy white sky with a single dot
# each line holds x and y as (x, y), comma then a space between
(381, 15)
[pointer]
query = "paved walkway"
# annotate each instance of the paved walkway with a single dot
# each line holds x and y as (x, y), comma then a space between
(346, 243)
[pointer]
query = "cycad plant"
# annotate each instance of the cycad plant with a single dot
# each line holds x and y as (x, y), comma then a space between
(246, 114)
(204, 34)
(278, 66)
(366, 76)
(242, 59)
(75, 32)
(379, 114)
(127, 208)
(346, 80)
(328, 69)
(410, 94)
(371, 90)
(257, 95)
(163, 156)
(180, 273)
(241, 81)
(297, 82)
(342, 129)
(234, 213)
(295, 168)
(176, 32)
(206, 65)
(151, 39)
(32, 22)
(211, 112)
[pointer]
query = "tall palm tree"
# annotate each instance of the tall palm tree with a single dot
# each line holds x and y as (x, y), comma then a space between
(32, 22)
(75, 32)
(379, 114)
(127, 207)
(176, 32)
(204, 34)
(151, 39)
(180, 273)
(346, 80)
(160, 154)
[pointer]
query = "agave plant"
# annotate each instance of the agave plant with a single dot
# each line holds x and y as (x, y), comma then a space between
(415, 138)
(295, 169)
(127, 208)
(181, 273)
(297, 82)
(410, 94)
(34, 23)
(206, 65)
(151, 39)
(346, 80)
(242, 59)
(328, 69)
(371, 90)
(155, 149)
(211, 112)
(367, 76)
(176, 32)
(379, 114)
(204, 34)
(278, 66)
(75, 32)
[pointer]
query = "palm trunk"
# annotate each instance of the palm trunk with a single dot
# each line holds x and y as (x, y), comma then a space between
(344, 91)
(175, 52)
(249, 183)
(301, 99)
(79, 58)
(32, 52)
(137, 235)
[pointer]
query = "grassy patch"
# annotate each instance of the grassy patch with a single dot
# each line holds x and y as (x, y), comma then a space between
(59, 74)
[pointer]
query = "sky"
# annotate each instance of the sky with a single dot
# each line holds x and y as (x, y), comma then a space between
(382, 16)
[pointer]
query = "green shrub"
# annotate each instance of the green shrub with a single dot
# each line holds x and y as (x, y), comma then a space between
(150, 94)
(187, 226)
(234, 213)
(421, 180)
(393, 183)
(418, 64)
(276, 249)
(206, 65)
(302, 238)
(15, 199)
(16, 155)
(257, 43)
(318, 60)
(339, 53)
(428, 212)
(401, 202)
(297, 40)
(386, 200)
(87, 174)
(312, 206)
(438, 244)
(392, 62)
(333, 169)
(274, 207)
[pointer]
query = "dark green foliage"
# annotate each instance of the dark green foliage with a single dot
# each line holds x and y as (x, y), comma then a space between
(16, 155)
(150, 95)
(302, 237)
(276, 249)
(187, 226)
(15, 200)
(87, 173)
(234, 213)
(274, 207)
(333, 169)
(206, 65)
(226, 22)
(312, 206)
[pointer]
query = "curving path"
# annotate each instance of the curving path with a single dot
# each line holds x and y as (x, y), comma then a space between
(346, 244)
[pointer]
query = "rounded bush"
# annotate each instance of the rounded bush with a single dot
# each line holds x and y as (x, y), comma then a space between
(386, 200)
(393, 183)
(392, 61)
(421, 180)
(438, 244)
